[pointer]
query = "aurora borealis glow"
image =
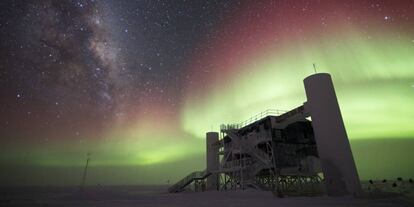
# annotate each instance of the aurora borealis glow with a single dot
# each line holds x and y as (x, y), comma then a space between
(138, 84)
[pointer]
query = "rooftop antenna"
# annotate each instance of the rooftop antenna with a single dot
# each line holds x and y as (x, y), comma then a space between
(85, 170)
(314, 68)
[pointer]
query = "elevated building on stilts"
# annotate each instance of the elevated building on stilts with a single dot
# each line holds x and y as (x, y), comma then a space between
(301, 151)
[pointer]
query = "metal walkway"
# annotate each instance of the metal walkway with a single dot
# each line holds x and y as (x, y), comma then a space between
(180, 185)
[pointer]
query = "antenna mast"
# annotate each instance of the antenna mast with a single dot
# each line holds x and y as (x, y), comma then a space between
(88, 157)
(314, 68)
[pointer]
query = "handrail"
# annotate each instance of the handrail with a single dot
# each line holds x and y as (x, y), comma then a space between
(188, 179)
(268, 112)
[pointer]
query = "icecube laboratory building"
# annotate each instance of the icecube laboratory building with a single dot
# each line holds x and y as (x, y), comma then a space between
(301, 151)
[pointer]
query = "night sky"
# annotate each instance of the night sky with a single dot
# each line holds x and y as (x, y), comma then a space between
(138, 83)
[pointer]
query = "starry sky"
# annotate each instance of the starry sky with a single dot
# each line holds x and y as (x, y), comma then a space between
(138, 83)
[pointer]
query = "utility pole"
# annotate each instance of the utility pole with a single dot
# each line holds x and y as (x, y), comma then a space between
(85, 170)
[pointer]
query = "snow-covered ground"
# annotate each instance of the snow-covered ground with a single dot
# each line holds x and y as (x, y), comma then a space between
(156, 196)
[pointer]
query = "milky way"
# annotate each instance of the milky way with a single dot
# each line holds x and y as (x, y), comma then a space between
(138, 83)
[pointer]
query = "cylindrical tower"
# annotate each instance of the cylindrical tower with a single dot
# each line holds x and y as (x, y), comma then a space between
(212, 159)
(340, 173)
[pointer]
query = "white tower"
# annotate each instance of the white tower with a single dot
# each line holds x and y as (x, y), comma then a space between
(340, 173)
(212, 159)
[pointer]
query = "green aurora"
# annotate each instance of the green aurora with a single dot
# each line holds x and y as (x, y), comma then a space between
(373, 74)
(373, 80)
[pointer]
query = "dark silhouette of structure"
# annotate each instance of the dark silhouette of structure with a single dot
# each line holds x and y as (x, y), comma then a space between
(288, 152)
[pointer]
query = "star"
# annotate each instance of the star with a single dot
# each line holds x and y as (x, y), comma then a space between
(139, 74)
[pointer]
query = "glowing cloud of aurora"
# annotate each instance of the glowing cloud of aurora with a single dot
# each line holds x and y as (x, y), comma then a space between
(372, 71)
(259, 62)
(253, 57)
(372, 79)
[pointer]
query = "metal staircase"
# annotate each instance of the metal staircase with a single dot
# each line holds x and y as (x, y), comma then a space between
(180, 185)
(244, 169)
